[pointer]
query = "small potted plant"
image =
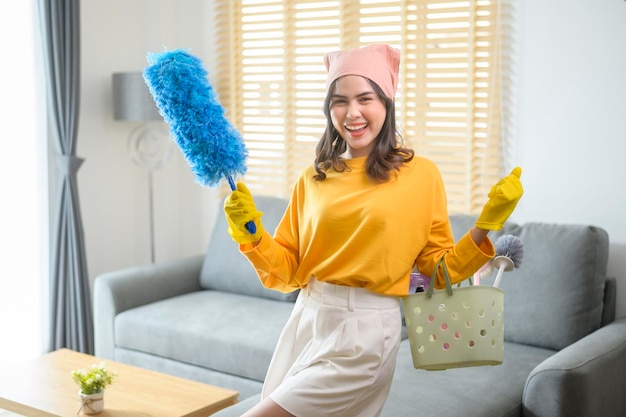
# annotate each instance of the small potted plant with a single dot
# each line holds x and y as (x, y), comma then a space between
(92, 383)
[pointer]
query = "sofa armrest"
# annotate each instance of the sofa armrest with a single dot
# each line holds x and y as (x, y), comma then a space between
(115, 292)
(584, 379)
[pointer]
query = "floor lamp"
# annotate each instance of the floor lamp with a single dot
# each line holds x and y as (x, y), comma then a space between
(149, 144)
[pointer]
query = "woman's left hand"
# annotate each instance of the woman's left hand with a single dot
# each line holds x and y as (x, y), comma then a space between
(503, 199)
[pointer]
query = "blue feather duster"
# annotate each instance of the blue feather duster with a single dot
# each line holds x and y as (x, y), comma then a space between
(211, 145)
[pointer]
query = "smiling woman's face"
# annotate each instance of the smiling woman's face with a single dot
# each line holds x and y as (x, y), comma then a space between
(357, 113)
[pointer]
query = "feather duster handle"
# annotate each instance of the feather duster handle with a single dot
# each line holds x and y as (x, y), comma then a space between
(211, 145)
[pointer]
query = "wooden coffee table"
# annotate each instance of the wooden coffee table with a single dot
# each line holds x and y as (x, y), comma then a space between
(44, 387)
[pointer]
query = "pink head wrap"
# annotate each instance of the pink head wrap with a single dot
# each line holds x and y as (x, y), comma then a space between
(379, 63)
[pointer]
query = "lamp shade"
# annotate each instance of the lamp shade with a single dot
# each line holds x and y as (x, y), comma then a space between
(132, 100)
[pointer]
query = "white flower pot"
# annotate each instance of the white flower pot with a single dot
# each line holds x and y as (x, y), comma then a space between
(91, 403)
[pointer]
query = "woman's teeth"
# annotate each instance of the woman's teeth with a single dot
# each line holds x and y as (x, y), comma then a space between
(352, 128)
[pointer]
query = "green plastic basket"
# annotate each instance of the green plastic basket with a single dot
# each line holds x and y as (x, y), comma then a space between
(453, 328)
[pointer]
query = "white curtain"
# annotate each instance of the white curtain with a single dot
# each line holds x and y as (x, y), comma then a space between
(23, 181)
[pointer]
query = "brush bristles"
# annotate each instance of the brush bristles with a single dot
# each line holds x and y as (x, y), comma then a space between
(512, 247)
(211, 145)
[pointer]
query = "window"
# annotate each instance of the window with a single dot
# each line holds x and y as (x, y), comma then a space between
(23, 173)
(450, 104)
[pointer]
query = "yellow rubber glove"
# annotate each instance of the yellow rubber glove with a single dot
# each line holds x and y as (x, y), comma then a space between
(503, 198)
(240, 209)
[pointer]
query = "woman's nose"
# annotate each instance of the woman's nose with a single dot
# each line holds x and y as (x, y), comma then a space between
(353, 110)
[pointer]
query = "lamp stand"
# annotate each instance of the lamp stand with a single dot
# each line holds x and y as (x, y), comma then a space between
(150, 147)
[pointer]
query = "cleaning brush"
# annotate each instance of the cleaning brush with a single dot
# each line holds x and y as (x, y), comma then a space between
(509, 255)
(211, 145)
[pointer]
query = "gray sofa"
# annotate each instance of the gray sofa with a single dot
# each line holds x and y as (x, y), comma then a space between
(208, 318)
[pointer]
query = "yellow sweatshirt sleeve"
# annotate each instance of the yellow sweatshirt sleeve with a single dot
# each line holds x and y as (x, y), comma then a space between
(273, 263)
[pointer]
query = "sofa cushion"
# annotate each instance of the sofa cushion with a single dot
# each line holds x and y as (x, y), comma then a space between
(555, 297)
(469, 392)
(226, 269)
(229, 333)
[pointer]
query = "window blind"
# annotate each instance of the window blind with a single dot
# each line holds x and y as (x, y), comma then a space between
(451, 94)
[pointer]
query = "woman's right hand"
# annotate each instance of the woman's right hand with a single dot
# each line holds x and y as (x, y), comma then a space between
(240, 209)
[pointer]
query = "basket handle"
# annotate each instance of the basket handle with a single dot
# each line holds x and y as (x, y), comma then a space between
(446, 276)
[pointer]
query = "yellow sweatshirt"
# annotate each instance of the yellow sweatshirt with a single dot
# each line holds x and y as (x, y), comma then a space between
(348, 230)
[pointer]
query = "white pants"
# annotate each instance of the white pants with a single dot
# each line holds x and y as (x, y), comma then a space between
(337, 353)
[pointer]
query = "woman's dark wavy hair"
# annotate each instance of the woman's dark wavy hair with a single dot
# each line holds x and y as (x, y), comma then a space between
(387, 155)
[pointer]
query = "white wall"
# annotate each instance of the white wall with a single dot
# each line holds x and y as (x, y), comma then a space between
(116, 35)
(569, 130)
(571, 119)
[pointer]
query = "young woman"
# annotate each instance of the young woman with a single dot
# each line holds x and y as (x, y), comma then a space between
(360, 219)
